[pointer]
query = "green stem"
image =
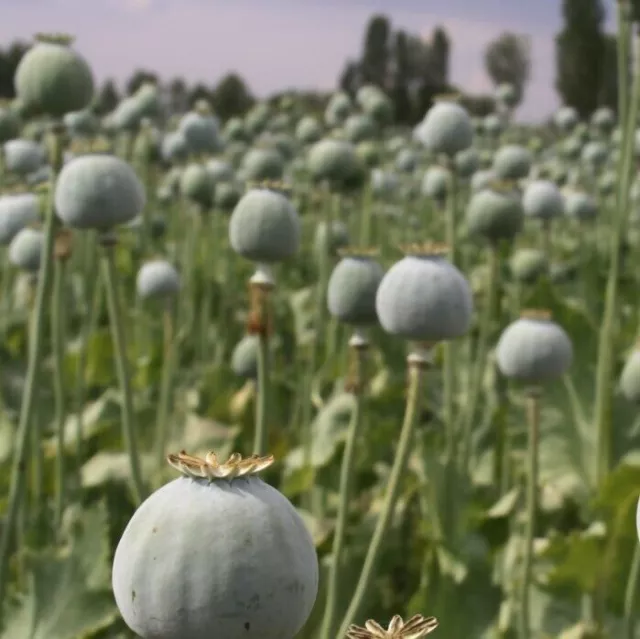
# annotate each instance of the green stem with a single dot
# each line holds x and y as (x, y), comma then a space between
(262, 401)
(168, 365)
(122, 366)
(403, 451)
(630, 595)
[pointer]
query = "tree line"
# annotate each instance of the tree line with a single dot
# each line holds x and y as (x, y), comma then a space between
(412, 70)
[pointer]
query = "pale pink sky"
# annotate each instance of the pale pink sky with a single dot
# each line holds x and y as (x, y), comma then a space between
(276, 44)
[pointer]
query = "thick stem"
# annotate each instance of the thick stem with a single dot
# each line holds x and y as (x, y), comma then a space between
(405, 443)
(630, 596)
(262, 402)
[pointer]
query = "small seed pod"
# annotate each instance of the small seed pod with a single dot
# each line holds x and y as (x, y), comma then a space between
(259, 165)
(607, 183)
(507, 95)
(338, 238)
(604, 120)
(244, 359)
(227, 195)
(148, 100)
(220, 171)
(352, 288)
(264, 227)
(492, 125)
(9, 124)
(534, 349)
(201, 131)
(98, 192)
(25, 250)
(197, 185)
(384, 182)
(571, 148)
(157, 279)
(23, 156)
(379, 108)
(595, 154)
(446, 129)
(512, 162)
(359, 127)
(406, 161)
(338, 109)
(482, 179)
(424, 298)
(630, 377)
(333, 161)
(174, 147)
(467, 162)
(566, 118)
(370, 152)
(81, 124)
(242, 561)
(527, 265)
(435, 183)
(308, 130)
(17, 212)
(53, 79)
(495, 214)
(580, 205)
(542, 200)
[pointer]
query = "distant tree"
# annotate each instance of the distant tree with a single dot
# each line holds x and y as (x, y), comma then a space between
(400, 91)
(580, 55)
(478, 105)
(350, 79)
(439, 52)
(609, 88)
(200, 92)
(178, 94)
(374, 64)
(231, 97)
(106, 98)
(9, 60)
(139, 77)
(508, 61)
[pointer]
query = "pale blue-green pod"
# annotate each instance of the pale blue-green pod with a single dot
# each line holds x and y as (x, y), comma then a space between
(493, 125)
(527, 265)
(10, 124)
(53, 79)
(607, 183)
(424, 298)
(174, 147)
(467, 162)
(630, 377)
(580, 206)
(507, 95)
(148, 100)
(157, 279)
(482, 179)
(235, 131)
(201, 131)
(543, 200)
(242, 563)
(17, 212)
(406, 161)
(98, 192)
(197, 185)
(603, 120)
(219, 170)
(352, 288)
(81, 124)
(360, 127)
(384, 182)
(370, 152)
(571, 148)
(257, 119)
(367, 92)
(127, 115)
(446, 129)
(25, 249)
(23, 156)
(566, 118)
(435, 183)
(308, 130)
(395, 144)
(512, 162)
(534, 349)
(379, 108)
(260, 165)
(338, 237)
(595, 154)
(264, 227)
(334, 162)
(495, 214)
(244, 358)
(227, 195)
(338, 109)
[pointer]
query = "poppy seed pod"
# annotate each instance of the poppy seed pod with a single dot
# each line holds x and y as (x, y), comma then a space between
(566, 118)
(507, 95)
(201, 131)
(467, 162)
(542, 200)
(197, 185)
(174, 147)
(594, 154)
(435, 183)
(227, 195)
(482, 179)
(527, 265)
(338, 109)
(446, 129)
(580, 206)
(424, 298)
(359, 127)
(352, 288)
(495, 214)
(603, 119)
(53, 79)
(333, 161)
(9, 124)
(219, 170)
(81, 123)
(264, 227)
(406, 161)
(17, 212)
(242, 561)
(98, 192)
(259, 165)
(23, 156)
(308, 130)
(492, 125)
(512, 162)
(630, 377)
(25, 250)
(157, 279)
(534, 349)
(244, 359)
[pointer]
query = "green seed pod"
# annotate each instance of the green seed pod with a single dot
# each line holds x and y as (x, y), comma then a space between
(495, 214)
(335, 162)
(607, 183)
(467, 162)
(309, 130)
(338, 109)
(9, 124)
(338, 238)
(244, 359)
(234, 131)
(482, 179)
(201, 131)
(406, 161)
(534, 349)
(512, 162)
(220, 171)
(98, 192)
(595, 154)
(492, 125)
(81, 124)
(197, 185)
(352, 288)
(542, 200)
(446, 129)
(435, 183)
(527, 265)
(53, 79)
(379, 108)
(148, 101)
(424, 298)
(571, 148)
(260, 165)
(227, 195)
(566, 119)
(256, 120)
(580, 205)
(604, 120)
(175, 147)
(384, 182)
(157, 279)
(17, 212)
(369, 152)
(23, 156)
(359, 127)
(242, 561)
(25, 249)
(630, 377)
(264, 227)
(507, 95)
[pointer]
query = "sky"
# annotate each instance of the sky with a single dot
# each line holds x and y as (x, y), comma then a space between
(280, 44)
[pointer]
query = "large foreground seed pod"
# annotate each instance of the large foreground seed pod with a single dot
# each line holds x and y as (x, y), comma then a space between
(495, 214)
(217, 552)
(534, 349)
(23, 156)
(98, 192)
(446, 129)
(264, 227)
(201, 131)
(527, 265)
(580, 205)
(25, 250)
(53, 79)
(352, 288)
(197, 185)
(244, 359)
(542, 200)
(424, 297)
(630, 377)
(157, 279)
(259, 165)
(512, 162)
(17, 212)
